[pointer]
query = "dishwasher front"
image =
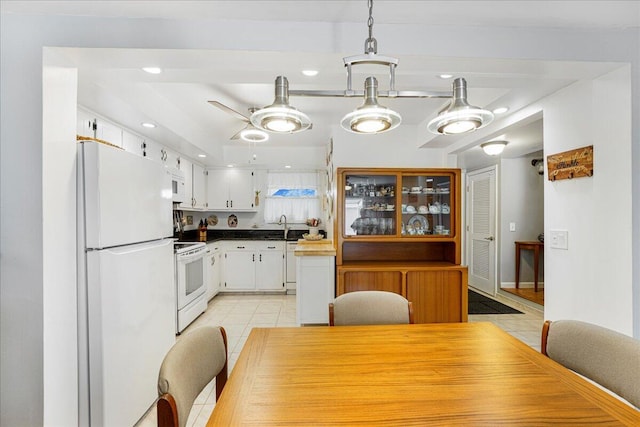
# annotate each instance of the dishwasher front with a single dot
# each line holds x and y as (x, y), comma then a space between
(291, 268)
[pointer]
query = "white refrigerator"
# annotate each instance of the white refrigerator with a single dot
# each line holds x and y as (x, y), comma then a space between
(126, 291)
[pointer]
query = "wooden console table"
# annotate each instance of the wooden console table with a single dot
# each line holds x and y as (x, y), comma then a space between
(534, 246)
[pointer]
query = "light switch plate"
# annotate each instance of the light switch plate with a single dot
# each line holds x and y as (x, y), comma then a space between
(559, 239)
(512, 226)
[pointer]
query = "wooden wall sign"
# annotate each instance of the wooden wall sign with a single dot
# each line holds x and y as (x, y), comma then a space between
(571, 164)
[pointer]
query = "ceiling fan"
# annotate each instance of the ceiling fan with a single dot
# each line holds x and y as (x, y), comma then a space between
(249, 133)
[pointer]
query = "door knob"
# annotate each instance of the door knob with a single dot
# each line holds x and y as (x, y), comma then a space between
(490, 238)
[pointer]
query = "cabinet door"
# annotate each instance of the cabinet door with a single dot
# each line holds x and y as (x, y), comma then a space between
(85, 124)
(427, 206)
(186, 166)
(438, 296)
(217, 189)
(199, 187)
(108, 132)
(351, 281)
(239, 269)
(213, 269)
(369, 205)
(241, 189)
(132, 143)
(269, 268)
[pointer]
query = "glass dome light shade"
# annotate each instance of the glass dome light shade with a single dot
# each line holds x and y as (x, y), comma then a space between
(493, 148)
(459, 116)
(371, 117)
(280, 117)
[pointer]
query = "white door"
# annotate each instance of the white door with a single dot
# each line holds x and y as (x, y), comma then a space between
(481, 224)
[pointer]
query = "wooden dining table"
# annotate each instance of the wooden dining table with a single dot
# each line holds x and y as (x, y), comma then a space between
(462, 374)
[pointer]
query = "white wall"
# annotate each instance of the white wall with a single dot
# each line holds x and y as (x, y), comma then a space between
(521, 202)
(22, 260)
(591, 281)
(59, 270)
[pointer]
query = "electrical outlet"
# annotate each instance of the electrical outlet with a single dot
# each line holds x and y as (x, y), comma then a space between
(559, 239)
(512, 226)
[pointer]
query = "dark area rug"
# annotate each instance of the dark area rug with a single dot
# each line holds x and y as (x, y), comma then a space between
(479, 304)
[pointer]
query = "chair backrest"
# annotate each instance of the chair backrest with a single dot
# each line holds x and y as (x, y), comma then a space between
(607, 357)
(188, 367)
(370, 308)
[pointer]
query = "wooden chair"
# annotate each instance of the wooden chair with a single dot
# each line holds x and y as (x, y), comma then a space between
(606, 357)
(370, 308)
(197, 358)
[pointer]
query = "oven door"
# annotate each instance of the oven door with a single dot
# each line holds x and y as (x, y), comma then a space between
(190, 277)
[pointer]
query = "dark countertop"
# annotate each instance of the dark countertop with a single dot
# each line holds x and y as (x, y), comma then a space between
(250, 234)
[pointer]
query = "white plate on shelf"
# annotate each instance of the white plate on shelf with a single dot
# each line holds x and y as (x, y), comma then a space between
(419, 223)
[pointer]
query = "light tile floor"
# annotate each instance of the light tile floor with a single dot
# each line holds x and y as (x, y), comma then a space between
(238, 314)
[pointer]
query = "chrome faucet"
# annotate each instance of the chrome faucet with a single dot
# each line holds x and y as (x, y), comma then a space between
(286, 229)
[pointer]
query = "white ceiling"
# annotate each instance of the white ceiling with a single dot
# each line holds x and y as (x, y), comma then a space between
(112, 83)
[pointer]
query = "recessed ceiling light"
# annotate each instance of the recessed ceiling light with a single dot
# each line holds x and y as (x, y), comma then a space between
(500, 110)
(445, 76)
(310, 73)
(229, 166)
(148, 125)
(202, 155)
(152, 70)
(287, 167)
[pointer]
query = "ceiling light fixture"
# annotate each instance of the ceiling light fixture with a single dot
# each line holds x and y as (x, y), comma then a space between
(148, 125)
(459, 116)
(280, 117)
(500, 110)
(371, 117)
(252, 134)
(310, 73)
(493, 148)
(445, 76)
(152, 70)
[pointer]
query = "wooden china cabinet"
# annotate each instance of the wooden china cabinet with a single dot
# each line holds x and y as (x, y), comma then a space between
(399, 230)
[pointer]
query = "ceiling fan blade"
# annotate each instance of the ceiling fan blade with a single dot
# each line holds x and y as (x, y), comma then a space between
(229, 110)
(237, 135)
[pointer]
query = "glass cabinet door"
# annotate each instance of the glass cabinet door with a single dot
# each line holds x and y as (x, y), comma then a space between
(426, 205)
(370, 205)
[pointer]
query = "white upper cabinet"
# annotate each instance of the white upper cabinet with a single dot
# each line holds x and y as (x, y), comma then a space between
(186, 167)
(231, 190)
(195, 185)
(85, 124)
(199, 187)
(109, 132)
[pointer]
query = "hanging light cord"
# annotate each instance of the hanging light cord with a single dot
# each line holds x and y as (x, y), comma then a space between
(370, 44)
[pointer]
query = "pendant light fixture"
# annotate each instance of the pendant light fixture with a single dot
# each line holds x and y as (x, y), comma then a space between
(280, 117)
(459, 116)
(371, 117)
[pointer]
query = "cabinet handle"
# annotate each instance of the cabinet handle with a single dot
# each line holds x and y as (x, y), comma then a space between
(231, 203)
(227, 203)
(213, 260)
(271, 247)
(260, 257)
(254, 257)
(490, 238)
(239, 247)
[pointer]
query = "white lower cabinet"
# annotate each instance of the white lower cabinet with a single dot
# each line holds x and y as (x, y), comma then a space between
(253, 266)
(213, 270)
